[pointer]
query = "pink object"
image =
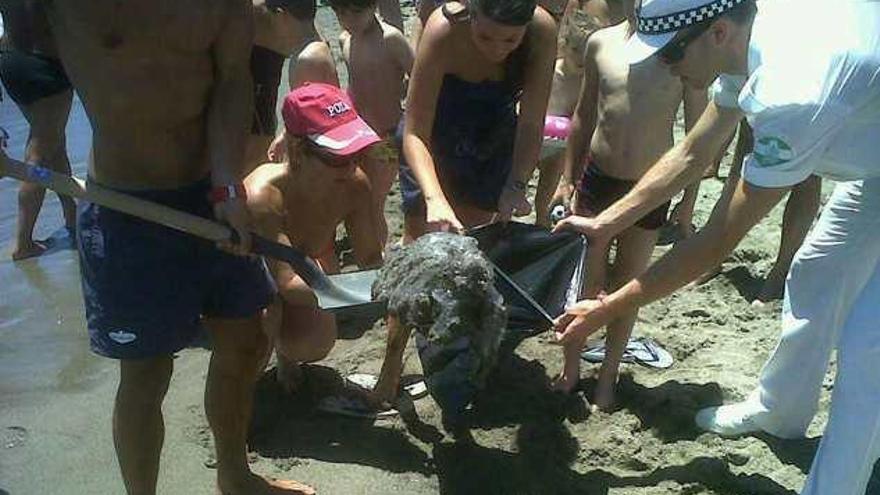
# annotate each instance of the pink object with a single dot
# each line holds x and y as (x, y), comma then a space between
(556, 127)
(326, 116)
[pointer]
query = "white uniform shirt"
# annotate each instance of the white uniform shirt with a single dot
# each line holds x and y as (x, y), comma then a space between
(812, 95)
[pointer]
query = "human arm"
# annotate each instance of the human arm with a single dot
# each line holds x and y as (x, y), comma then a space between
(228, 115)
(690, 258)
(537, 81)
(683, 164)
(360, 224)
(421, 103)
(583, 123)
(265, 206)
(401, 50)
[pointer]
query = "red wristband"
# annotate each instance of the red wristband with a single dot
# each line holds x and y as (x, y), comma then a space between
(220, 194)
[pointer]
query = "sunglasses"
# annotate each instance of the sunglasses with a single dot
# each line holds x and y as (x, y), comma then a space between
(331, 160)
(673, 52)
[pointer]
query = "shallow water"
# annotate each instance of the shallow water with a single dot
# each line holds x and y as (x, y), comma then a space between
(43, 342)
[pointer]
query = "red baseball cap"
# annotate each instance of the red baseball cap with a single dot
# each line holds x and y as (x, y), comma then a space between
(325, 115)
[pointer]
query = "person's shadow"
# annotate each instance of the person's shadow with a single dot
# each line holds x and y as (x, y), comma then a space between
(287, 426)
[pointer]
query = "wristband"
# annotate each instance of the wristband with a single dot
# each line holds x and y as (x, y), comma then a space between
(220, 194)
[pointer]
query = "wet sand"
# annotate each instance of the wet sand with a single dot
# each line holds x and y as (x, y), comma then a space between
(56, 397)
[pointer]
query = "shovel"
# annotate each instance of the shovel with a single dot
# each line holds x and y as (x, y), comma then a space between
(346, 294)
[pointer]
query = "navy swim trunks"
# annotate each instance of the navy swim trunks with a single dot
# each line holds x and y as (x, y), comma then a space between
(146, 287)
(30, 77)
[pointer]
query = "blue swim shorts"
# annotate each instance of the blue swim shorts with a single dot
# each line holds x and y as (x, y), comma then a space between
(146, 287)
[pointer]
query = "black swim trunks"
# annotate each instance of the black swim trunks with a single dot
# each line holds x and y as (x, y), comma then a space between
(29, 77)
(146, 287)
(266, 68)
(597, 191)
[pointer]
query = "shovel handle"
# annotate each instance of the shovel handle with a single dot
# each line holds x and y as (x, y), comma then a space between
(163, 215)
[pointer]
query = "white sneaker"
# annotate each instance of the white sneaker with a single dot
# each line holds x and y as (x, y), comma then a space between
(728, 421)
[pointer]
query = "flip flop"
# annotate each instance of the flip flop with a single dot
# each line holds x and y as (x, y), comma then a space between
(595, 353)
(415, 390)
(648, 352)
(352, 408)
(641, 350)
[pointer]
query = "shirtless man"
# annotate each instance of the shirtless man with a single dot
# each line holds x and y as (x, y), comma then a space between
(283, 28)
(36, 82)
(299, 203)
(622, 125)
(379, 58)
(167, 89)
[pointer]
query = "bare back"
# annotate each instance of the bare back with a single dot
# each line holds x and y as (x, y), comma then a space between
(635, 108)
(313, 63)
(376, 74)
(144, 70)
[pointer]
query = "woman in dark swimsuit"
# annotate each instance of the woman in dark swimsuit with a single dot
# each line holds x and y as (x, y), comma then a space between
(467, 155)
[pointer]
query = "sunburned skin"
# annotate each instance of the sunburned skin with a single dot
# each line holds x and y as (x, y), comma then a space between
(165, 146)
(298, 204)
(378, 58)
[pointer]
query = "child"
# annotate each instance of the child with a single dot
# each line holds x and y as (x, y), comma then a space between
(563, 98)
(620, 128)
(379, 59)
(311, 62)
(300, 202)
(282, 28)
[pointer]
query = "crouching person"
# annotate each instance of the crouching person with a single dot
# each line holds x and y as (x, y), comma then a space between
(300, 202)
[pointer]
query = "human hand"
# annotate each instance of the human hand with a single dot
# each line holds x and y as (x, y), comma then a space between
(513, 201)
(441, 218)
(563, 196)
(596, 231)
(278, 148)
(234, 213)
(581, 320)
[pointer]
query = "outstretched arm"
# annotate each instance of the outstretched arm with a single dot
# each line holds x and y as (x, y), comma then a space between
(728, 224)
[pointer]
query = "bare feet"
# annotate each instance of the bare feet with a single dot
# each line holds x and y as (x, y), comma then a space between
(257, 485)
(31, 250)
(773, 288)
(290, 375)
(603, 396)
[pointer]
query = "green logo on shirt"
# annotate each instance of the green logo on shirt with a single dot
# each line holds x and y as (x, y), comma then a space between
(771, 151)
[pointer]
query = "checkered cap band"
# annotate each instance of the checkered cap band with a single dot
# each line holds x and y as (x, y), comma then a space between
(678, 20)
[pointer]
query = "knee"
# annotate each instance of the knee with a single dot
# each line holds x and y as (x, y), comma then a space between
(144, 382)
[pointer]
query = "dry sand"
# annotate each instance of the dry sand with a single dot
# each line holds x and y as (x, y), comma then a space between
(525, 439)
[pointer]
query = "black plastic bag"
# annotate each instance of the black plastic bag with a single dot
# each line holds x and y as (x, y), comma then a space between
(547, 267)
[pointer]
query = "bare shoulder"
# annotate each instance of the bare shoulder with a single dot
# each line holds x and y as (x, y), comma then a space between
(390, 32)
(315, 52)
(439, 25)
(543, 27)
(264, 199)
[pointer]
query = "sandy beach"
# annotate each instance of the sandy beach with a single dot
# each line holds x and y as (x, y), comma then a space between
(56, 397)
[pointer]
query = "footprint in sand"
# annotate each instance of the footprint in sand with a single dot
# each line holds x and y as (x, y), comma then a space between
(14, 436)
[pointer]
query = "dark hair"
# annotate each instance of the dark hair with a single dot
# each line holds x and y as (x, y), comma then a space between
(303, 10)
(352, 4)
(742, 13)
(510, 12)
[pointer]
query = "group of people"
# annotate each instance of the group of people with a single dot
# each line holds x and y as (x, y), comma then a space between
(183, 98)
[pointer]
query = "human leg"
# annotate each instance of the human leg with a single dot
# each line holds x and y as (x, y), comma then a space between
(550, 170)
(46, 147)
(138, 426)
(634, 249)
(850, 445)
(238, 345)
(800, 211)
(816, 304)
